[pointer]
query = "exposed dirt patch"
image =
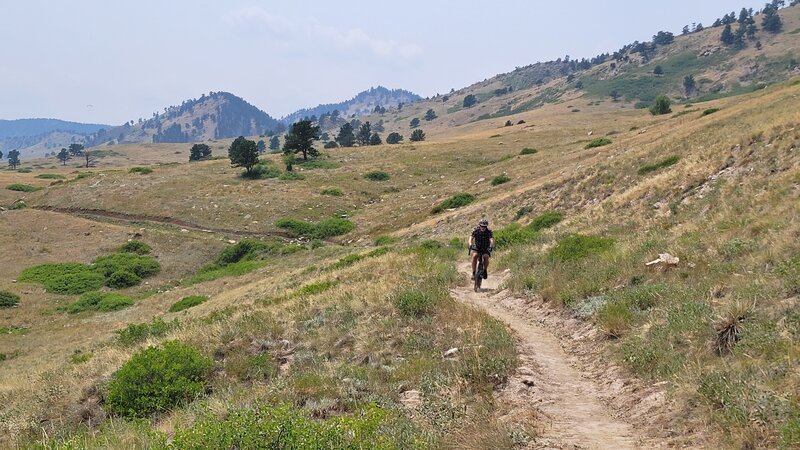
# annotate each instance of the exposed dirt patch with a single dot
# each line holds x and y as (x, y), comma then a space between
(581, 401)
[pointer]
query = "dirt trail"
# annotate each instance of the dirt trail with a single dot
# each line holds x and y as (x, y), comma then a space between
(572, 408)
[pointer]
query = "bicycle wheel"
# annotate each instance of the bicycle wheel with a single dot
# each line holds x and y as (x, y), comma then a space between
(478, 274)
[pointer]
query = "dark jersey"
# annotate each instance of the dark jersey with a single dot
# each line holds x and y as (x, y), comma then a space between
(481, 238)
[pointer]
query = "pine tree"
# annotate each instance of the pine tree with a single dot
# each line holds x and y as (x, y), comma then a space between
(364, 134)
(772, 21)
(394, 138)
(430, 115)
(13, 158)
(414, 122)
(261, 146)
(469, 100)
(301, 139)
(346, 138)
(689, 84)
(243, 153)
(274, 142)
(63, 156)
(727, 36)
(199, 152)
(417, 135)
(375, 139)
(75, 149)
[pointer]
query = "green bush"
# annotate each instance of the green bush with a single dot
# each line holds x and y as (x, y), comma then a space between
(709, 111)
(122, 279)
(214, 271)
(187, 302)
(615, 318)
(262, 171)
(659, 165)
(135, 246)
(50, 176)
(64, 278)
(546, 220)
(523, 211)
(578, 246)
(528, 151)
(334, 192)
(136, 333)
(291, 176)
(22, 187)
(99, 301)
(500, 179)
(790, 432)
(157, 379)
(661, 106)
(315, 288)
(597, 142)
(376, 175)
(414, 302)
(142, 266)
(244, 250)
(8, 299)
(333, 227)
(288, 427)
(456, 201)
(385, 240)
(326, 228)
(514, 234)
(495, 355)
(141, 170)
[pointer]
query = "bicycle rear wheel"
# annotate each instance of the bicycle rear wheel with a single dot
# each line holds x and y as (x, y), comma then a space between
(478, 275)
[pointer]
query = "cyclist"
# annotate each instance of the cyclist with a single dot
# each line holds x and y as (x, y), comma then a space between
(481, 243)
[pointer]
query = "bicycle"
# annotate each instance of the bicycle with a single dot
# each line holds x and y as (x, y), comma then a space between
(479, 270)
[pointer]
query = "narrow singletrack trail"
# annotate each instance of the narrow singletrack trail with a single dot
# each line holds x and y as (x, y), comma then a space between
(570, 406)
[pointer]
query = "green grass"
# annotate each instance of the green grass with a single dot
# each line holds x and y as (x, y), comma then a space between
(50, 176)
(136, 333)
(291, 176)
(325, 228)
(135, 246)
(333, 192)
(141, 170)
(386, 240)
(500, 179)
(64, 278)
(672, 160)
(514, 234)
(709, 111)
(315, 288)
(99, 301)
(456, 201)
(230, 270)
(528, 151)
(414, 302)
(8, 299)
(377, 175)
(597, 142)
(578, 246)
(318, 163)
(188, 302)
(351, 259)
(19, 187)
(546, 219)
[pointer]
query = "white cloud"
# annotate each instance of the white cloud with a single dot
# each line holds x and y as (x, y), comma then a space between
(313, 32)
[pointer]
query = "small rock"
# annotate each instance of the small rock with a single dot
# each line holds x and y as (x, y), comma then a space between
(231, 241)
(528, 382)
(590, 133)
(480, 180)
(450, 353)
(184, 230)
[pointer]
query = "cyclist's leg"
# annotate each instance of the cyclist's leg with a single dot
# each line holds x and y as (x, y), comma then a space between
(474, 261)
(486, 263)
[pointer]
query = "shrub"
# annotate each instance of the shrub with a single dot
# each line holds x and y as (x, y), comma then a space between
(122, 279)
(315, 288)
(158, 379)
(709, 111)
(295, 227)
(139, 332)
(64, 278)
(661, 106)
(615, 318)
(598, 142)
(141, 170)
(659, 165)
(291, 176)
(546, 220)
(334, 192)
(244, 250)
(187, 302)
(142, 266)
(376, 175)
(262, 171)
(330, 144)
(528, 151)
(138, 247)
(50, 176)
(456, 201)
(414, 302)
(522, 211)
(333, 227)
(22, 187)
(500, 179)
(495, 356)
(578, 246)
(8, 299)
(385, 240)
(231, 270)
(513, 234)
(98, 301)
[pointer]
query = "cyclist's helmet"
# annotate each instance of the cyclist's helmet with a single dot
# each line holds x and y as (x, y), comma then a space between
(483, 223)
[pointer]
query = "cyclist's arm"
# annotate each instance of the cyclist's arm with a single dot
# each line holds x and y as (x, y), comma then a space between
(491, 242)
(470, 241)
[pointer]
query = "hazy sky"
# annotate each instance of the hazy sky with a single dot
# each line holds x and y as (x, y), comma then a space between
(111, 61)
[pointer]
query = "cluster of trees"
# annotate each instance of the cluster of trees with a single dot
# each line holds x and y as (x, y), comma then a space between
(347, 137)
(13, 158)
(770, 22)
(199, 152)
